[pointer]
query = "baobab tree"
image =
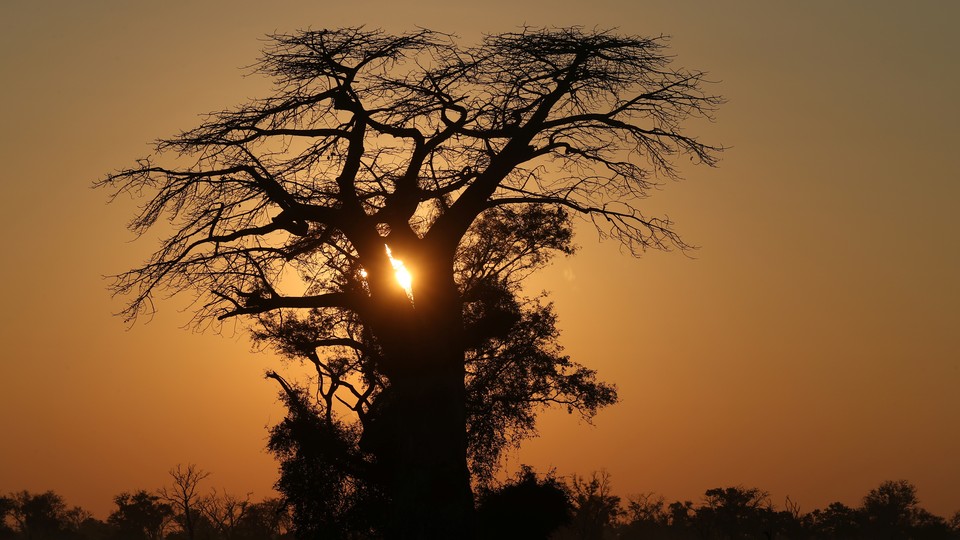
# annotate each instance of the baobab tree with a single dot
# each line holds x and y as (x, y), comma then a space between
(376, 215)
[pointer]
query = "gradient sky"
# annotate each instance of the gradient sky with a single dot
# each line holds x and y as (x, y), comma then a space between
(810, 347)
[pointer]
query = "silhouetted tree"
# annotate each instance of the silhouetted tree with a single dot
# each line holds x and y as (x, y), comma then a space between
(790, 522)
(892, 511)
(890, 507)
(41, 516)
(324, 477)
(646, 516)
(596, 510)
(225, 512)
(265, 520)
(75, 520)
(140, 515)
(94, 529)
(525, 508)
(927, 526)
(837, 520)
(377, 148)
(735, 513)
(681, 516)
(7, 505)
(184, 497)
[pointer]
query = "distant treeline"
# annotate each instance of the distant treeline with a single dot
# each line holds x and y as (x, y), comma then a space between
(530, 506)
(891, 511)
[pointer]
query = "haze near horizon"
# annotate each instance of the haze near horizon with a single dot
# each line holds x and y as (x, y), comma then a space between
(808, 347)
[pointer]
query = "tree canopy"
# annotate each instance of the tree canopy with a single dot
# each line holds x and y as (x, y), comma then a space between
(373, 138)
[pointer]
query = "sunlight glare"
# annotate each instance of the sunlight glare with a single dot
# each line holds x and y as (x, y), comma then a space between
(403, 275)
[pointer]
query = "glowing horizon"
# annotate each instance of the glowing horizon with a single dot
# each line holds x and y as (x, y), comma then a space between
(815, 326)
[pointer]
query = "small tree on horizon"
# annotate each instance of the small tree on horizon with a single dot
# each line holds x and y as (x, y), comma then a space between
(140, 516)
(184, 497)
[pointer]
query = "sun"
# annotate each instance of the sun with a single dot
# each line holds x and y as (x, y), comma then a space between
(402, 274)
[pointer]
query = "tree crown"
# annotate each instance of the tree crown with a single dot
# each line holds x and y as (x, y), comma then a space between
(405, 140)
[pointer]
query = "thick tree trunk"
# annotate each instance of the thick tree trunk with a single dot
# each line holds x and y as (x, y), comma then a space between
(430, 481)
(422, 444)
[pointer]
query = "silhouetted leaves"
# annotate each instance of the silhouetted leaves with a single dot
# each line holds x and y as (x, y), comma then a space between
(324, 477)
(596, 509)
(43, 516)
(525, 508)
(140, 516)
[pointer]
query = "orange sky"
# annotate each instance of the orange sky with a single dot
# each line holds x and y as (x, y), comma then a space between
(810, 348)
